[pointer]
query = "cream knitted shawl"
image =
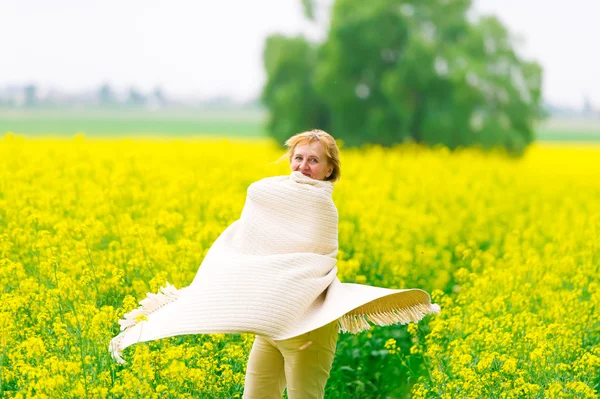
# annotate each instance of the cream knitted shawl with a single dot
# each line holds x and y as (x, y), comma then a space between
(272, 273)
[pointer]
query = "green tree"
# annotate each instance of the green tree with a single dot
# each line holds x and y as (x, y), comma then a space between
(106, 95)
(396, 70)
(136, 97)
(289, 92)
(31, 95)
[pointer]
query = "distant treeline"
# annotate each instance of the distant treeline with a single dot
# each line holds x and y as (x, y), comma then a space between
(105, 96)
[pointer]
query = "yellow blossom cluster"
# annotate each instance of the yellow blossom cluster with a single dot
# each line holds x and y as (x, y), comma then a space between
(522, 320)
(508, 246)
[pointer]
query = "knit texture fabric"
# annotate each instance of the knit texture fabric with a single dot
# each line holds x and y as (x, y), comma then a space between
(272, 273)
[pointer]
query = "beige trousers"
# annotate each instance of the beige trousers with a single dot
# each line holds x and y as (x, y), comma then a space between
(302, 363)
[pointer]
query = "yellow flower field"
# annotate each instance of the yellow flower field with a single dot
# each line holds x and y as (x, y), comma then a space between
(510, 248)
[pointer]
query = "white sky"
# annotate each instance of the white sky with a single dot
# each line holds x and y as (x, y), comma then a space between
(206, 48)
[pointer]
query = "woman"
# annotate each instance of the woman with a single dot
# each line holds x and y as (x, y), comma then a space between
(273, 273)
(302, 362)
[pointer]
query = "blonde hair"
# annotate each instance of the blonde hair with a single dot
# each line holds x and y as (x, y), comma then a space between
(331, 149)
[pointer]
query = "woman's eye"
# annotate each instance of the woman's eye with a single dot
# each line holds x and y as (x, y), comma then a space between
(313, 160)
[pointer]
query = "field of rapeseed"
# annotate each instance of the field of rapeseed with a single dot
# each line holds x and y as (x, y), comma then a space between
(510, 248)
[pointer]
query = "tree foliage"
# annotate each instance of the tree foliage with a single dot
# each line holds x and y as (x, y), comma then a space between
(396, 70)
(290, 91)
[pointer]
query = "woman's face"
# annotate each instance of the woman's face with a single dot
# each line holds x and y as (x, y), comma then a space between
(311, 160)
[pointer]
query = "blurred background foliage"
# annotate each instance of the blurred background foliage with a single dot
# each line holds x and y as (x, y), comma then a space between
(391, 71)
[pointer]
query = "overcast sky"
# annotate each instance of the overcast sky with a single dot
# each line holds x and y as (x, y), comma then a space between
(207, 48)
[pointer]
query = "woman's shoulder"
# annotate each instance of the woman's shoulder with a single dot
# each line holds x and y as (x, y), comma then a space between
(267, 183)
(270, 179)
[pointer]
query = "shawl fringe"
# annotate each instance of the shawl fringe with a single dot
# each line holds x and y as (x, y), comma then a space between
(150, 304)
(115, 349)
(357, 322)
